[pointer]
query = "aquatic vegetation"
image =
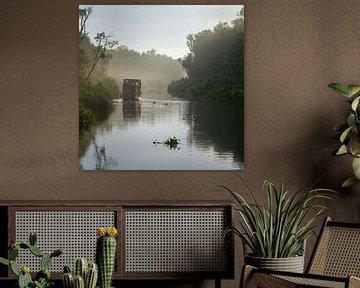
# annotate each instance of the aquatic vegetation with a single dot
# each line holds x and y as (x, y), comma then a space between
(172, 143)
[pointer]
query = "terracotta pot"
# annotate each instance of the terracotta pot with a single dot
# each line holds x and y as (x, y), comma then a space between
(291, 264)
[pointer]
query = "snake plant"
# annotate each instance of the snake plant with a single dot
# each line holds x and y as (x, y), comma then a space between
(279, 228)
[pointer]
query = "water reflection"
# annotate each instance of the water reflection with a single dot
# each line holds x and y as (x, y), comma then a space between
(131, 110)
(211, 137)
(102, 161)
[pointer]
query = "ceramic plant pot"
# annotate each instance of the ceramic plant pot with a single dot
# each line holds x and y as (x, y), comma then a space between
(291, 264)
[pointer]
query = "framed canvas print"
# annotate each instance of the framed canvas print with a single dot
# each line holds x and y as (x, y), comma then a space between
(161, 87)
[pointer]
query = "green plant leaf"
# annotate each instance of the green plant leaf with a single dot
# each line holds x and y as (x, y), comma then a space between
(342, 150)
(356, 167)
(340, 88)
(279, 228)
(353, 89)
(355, 103)
(354, 146)
(4, 261)
(345, 134)
(349, 182)
(351, 120)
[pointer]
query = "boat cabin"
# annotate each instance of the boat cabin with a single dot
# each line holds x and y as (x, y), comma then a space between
(131, 89)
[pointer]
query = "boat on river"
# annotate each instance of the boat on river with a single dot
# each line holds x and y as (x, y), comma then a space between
(131, 89)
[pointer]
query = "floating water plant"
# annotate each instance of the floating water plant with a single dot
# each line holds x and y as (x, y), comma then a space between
(172, 143)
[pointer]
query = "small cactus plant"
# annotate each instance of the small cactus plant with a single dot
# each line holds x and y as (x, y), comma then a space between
(85, 275)
(42, 278)
(106, 254)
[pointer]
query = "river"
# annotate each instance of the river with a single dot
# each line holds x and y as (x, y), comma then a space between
(133, 137)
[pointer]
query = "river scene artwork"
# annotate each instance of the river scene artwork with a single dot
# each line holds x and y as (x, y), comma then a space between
(161, 87)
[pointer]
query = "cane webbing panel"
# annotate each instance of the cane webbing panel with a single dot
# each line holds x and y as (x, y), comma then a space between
(175, 241)
(75, 231)
(313, 282)
(338, 252)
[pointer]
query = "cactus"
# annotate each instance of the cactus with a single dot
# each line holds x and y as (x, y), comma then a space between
(91, 276)
(13, 253)
(32, 239)
(36, 251)
(105, 254)
(90, 272)
(14, 268)
(57, 252)
(80, 267)
(68, 280)
(24, 278)
(79, 282)
(44, 273)
(45, 261)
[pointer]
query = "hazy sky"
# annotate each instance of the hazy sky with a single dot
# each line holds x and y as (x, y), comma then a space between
(162, 27)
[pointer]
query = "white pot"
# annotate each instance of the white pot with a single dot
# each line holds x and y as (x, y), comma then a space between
(291, 264)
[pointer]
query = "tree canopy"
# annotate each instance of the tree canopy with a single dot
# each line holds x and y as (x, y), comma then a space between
(214, 65)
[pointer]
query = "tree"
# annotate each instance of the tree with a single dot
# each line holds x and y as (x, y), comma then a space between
(84, 14)
(103, 42)
(214, 65)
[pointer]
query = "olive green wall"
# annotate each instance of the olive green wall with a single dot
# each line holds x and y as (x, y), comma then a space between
(293, 49)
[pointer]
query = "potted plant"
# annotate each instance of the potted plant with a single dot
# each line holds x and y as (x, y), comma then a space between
(42, 278)
(348, 133)
(276, 233)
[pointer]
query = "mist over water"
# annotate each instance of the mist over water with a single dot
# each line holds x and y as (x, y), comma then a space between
(155, 71)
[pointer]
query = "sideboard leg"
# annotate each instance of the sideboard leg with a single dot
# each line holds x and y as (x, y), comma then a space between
(217, 283)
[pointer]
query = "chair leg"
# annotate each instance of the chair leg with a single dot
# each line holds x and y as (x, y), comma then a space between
(246, 273)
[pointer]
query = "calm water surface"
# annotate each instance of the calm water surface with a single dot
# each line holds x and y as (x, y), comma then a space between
(211, 137)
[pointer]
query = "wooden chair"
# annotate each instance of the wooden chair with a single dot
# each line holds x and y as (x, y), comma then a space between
(335, 262)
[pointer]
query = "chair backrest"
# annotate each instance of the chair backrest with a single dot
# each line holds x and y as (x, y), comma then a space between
(337, 251)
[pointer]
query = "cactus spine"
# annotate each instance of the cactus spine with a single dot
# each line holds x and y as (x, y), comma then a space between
(106, 254)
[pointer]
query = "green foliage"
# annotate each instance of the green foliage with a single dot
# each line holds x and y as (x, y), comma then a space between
(172, 143)
(96, 94)
(348, 132)
(279, 229)
(42, 278)
(43, 283)
(86, 119)
(95, 103)
(214, 65)
(112, 86)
